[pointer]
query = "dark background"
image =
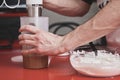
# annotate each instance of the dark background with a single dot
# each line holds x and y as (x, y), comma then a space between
(9, 25)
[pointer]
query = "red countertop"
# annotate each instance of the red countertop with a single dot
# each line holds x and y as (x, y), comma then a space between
(59, 69)
(13, 14)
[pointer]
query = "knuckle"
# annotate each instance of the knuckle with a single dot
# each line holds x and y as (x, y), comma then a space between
(37, 30)
(37, 37)
(36, 44)
(26, 27)
(19, 37)
(24, 41)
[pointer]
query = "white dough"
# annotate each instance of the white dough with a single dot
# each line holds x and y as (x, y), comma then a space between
(103, 65)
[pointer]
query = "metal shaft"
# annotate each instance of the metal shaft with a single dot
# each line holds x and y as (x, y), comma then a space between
(34, 10)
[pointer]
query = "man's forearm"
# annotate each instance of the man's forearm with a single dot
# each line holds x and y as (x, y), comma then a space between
(105, 21)
(67, 7)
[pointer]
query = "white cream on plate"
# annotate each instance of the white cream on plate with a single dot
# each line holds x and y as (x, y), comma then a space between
(105, 64)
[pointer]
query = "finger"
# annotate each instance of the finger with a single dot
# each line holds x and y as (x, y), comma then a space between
(28, 42)
(31, 51)
(29, 28)
(26, 36)
(28, 51)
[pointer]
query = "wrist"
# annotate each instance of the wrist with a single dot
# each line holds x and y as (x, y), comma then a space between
(65, 44)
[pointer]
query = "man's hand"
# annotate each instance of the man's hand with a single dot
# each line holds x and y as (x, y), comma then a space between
(42, 42)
